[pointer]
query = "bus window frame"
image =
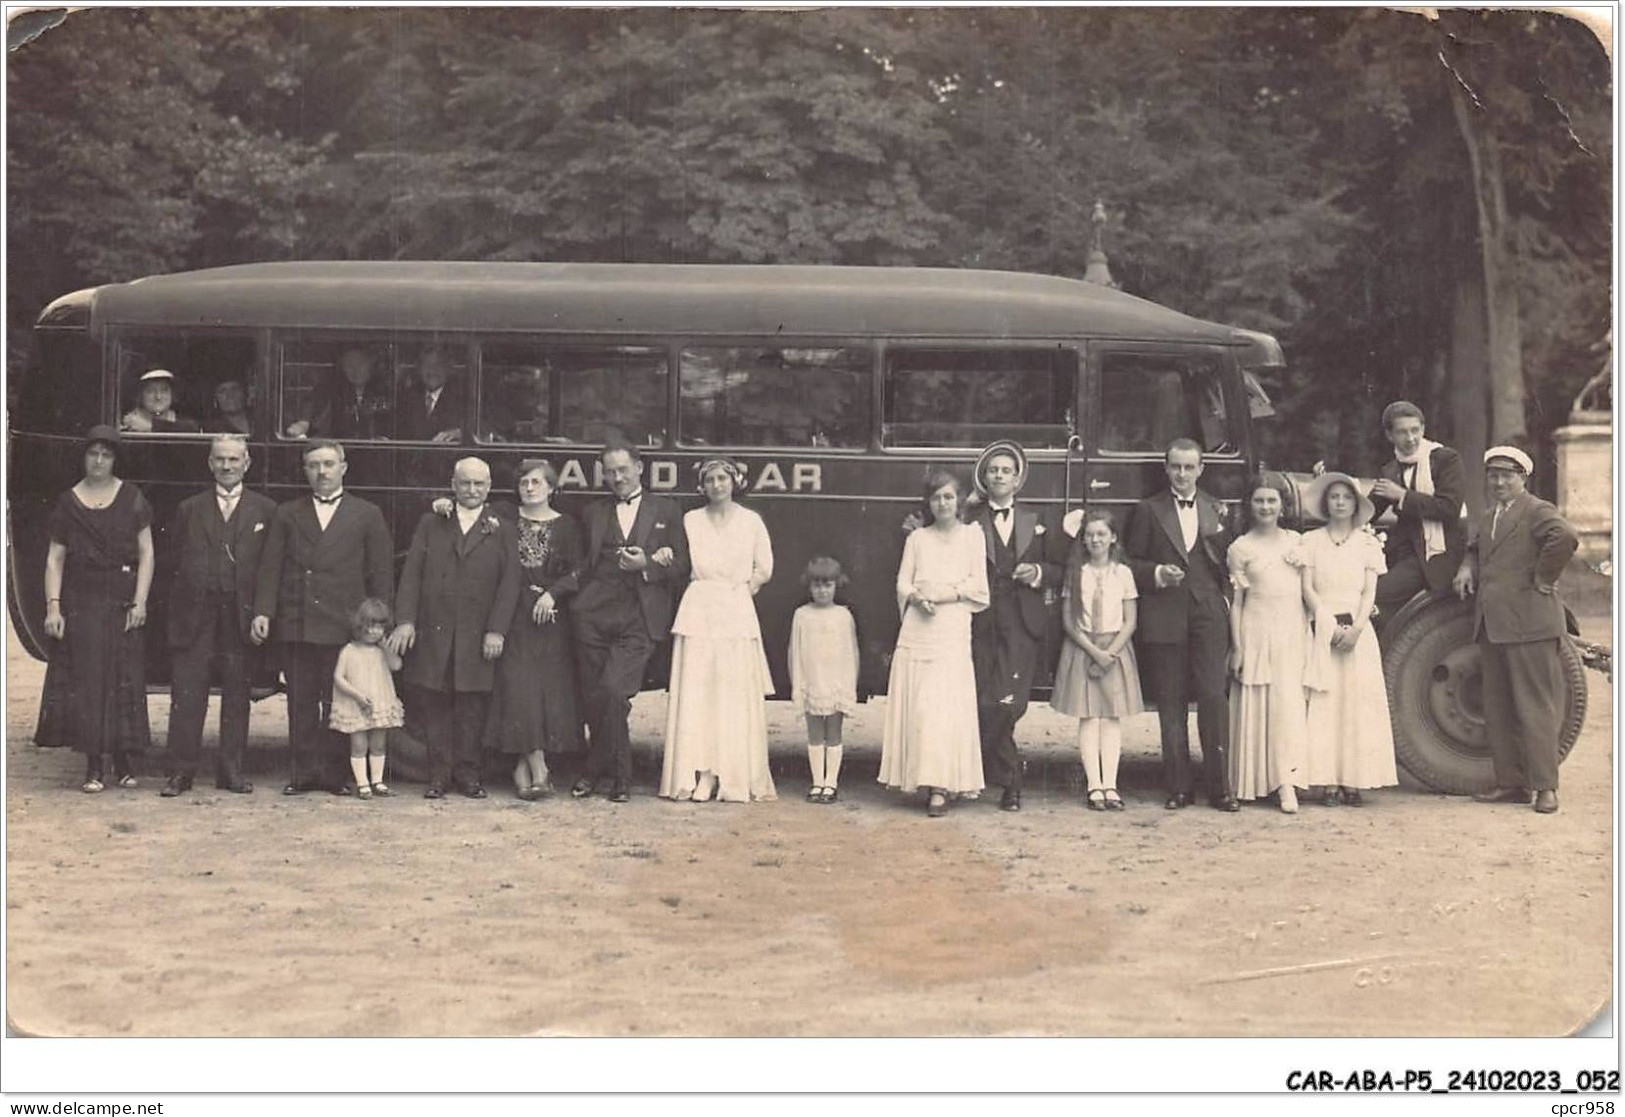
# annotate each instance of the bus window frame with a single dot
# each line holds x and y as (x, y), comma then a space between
(113, 334)
(1078, 347)
(1225, 361)
(773, 341)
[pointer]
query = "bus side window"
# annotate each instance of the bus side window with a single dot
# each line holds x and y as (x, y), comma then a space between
(535, 393)
(61, 390)
(970, 397)
(336, 389)
(1149, 399)
(200, 364)
(775, 396)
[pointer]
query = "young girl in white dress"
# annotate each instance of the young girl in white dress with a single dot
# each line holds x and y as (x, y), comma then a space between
(1351, 740)
(824, 673)
(364, 701)
(1098, 680)
(930, 738)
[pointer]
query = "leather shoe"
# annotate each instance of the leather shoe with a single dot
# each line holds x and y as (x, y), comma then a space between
(1177, 800)
(434, 791)
(582, 788)
(474, 791)
(1519, 795)
(176, 785)
(241, 787)
(1011, 800)
(1229, 804)
(619, 794)
(1546, 802)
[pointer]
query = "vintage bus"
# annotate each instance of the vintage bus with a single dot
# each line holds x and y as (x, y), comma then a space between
(835, 386)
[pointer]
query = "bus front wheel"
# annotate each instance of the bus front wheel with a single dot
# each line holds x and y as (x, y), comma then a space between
(1436, 699)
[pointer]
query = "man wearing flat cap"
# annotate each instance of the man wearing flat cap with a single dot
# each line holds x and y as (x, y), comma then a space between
(155, 412)
(1512, 566)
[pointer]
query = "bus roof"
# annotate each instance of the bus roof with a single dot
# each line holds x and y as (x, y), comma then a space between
(657, 299)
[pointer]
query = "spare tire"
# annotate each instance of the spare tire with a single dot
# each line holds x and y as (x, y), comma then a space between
(1435, 698)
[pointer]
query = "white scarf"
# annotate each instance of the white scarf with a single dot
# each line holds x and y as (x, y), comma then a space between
(1422, 482)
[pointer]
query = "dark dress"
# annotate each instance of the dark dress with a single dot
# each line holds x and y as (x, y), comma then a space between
(533, 703)
(95, 697)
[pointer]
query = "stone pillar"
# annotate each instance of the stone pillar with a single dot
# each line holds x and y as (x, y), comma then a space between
(1585, 482)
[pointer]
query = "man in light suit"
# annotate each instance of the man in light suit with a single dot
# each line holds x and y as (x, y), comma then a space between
(215, 542)
(635, 567)
(1006, 636)
(1423, 483)
(1177, 542)
(457, 596)
(324, 554)
(1512, 565)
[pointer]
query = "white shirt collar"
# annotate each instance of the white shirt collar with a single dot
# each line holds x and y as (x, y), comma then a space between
(467, 517)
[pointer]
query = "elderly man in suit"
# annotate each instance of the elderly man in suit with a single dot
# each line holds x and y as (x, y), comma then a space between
(636, 564)
(1177, 542)
(1006, 636)
(1423, 483)
(1512, 565)
(433, 410)
(457, 596)
(324, 554)
(214, 543)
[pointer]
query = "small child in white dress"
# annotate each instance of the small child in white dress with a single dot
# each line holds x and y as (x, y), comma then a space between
(364, 701)
(824, 672)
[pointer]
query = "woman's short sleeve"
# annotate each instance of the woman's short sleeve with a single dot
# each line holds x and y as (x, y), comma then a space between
(1239, 558)
(142, 511)
(57, 526)
(1374, 558)
(1125, 578)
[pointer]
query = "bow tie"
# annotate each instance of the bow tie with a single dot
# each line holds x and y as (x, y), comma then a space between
(229, 494)
(630, 499)
(334, 499)
(1183, 503)
(1001, 513)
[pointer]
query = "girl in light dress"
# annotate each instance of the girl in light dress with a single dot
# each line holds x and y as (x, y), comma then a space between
(824, 673)
(716, 717)
(1098, 680)
(364, 701)
(930, 738)
(1350, 737)
(1269, 644)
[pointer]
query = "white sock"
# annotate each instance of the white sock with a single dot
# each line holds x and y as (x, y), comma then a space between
(375, 764)
(816, 763)
(1089, 751)
(358, 768)
(1111, 750)
(832, 765)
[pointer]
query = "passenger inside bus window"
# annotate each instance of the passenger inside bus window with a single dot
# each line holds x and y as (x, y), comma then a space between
(791, 396)
(231, 409)
(543, 394)
(154, 411)
(970, 397)
(336, 391)
(194, 364)
(1149, 399)
(433, 400)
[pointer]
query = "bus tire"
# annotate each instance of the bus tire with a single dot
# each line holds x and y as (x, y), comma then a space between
(1435, 699)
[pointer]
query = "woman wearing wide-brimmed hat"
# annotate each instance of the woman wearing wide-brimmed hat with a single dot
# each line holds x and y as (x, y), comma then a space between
(98, 570)
(1351, 742)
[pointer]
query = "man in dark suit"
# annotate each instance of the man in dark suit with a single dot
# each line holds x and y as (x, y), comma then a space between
(1176, 542)
(1512, 564)
(215, 543)
(1006, 636)
(433, 410)
(457, 596)
(324, 554)
(635, 567)
(1423, 483)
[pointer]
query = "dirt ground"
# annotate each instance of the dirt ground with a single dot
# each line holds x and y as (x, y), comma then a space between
(220, 915)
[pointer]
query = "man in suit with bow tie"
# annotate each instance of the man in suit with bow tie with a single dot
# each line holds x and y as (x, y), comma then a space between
(457, 597)
(1006, 636)
(1423, 483)
(214, 542)
(1177, 542)
(1512, 565)
(433, 411)
(635, 567)
(324, 554)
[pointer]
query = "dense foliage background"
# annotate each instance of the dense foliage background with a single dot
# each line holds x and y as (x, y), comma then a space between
(1415, 207)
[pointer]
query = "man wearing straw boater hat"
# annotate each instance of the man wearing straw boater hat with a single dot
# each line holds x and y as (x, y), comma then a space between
(1005, 637)
(1512, 565)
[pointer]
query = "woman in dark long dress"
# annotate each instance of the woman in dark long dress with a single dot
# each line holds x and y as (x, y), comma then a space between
(98, 571)
(534, 709)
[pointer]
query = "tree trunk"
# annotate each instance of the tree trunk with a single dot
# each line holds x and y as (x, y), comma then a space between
(1505, 383)
(1469, 409)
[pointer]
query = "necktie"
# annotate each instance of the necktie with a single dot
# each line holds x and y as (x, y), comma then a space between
(428, 403)
(1495, 524)
(228, 500)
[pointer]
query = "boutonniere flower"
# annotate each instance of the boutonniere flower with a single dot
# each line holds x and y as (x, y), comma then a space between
(488, 525)
(660, 525)
(1038, 529)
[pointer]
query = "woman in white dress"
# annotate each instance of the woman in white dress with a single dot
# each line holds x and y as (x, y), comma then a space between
(930, 738)
(716, 719)
(1351, 741)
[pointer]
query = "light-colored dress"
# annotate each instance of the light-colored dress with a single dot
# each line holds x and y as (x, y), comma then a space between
(1268, 722)
(365, 667)
(824, 660)
(1351, 740)
(1100, 593)
(716, 719)
(930, 737)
